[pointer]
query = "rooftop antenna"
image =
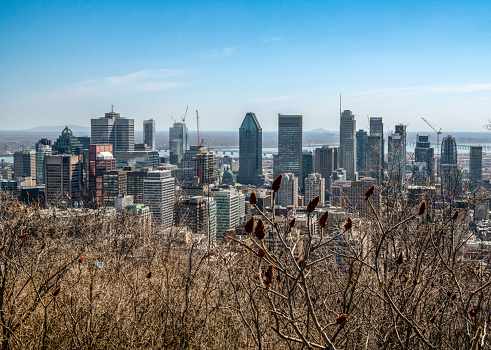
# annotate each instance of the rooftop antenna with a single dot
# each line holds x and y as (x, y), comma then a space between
(112, 108)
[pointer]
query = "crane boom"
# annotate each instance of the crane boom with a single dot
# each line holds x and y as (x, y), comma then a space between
(185, 114)
(431, 126)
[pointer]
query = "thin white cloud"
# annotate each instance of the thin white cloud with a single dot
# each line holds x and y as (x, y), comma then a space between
(140, 81)
(272, 39)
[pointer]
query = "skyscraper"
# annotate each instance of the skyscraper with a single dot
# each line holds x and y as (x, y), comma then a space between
(475, 166)
(100, 160)
(290, 144)
(25, 164)
(159, 195)
(396, 160)
(250, 151)
(449, 171)
(43, 149)
(347, 144)
(199, 162)
(178, 141)
(149, 133)
(67, 143)
(424, 161)
(361, 150)
(375, 149)
(64, 177)
(113, 129)
(326, 161)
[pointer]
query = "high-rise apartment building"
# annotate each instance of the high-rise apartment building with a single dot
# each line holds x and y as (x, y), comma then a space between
(149, 133)
(67, 143)
(315, 185)
(230, 206)
(288, 193)
(199, 162)
(25, 164)
(64, 177)
(178, 142)
(475, 166)
(326, 161)
(361, 151)
(347, 144)
(424, 161)
(43, 149)
(115, 130)
(449, 150)
(396, 159)
(290, 144)
(159, 195)
(250, 151)
(134, 183)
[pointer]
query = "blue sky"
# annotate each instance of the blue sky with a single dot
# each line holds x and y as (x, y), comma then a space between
(65, 62)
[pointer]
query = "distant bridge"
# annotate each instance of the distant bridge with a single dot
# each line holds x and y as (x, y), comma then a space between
(459, 146)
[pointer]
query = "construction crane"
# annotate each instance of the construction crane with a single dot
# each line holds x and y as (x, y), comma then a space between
(438, 132)
(200, 142)
(185, 114)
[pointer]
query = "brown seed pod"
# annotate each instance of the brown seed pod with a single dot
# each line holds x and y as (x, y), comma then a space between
(260, 231)
(81, 259)
(323, 219)
(56, 291)
(253, 199)
(277, 183)
(260, 253)
(422, 208)
(349, 223)
(424, 330)
(278, 278)
(449, 293)
(313, 204)
(351, 271)
(455, 215)
(292, 222)
(2, 248)
(149, 274)
(454, 296)
(415, 280)
(369, 192)
(405, 279)
(339, 300)
(249, 225)
(433, 318)
(268, 277)
(24, 235)
(472, 312)
(400, 258)
(434, 307)
(341, 318)
(43, 246)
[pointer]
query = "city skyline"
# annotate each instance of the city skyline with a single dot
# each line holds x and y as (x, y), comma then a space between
(397, 61)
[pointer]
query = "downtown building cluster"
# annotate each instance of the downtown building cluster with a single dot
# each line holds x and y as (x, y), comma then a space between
(193, 188)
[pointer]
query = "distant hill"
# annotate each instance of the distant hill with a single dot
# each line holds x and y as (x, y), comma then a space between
(59, 128)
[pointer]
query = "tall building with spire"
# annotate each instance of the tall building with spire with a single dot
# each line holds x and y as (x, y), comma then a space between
(347, 144)
(250, 151)
(290, 144)
(115, 130)
(449, 169)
